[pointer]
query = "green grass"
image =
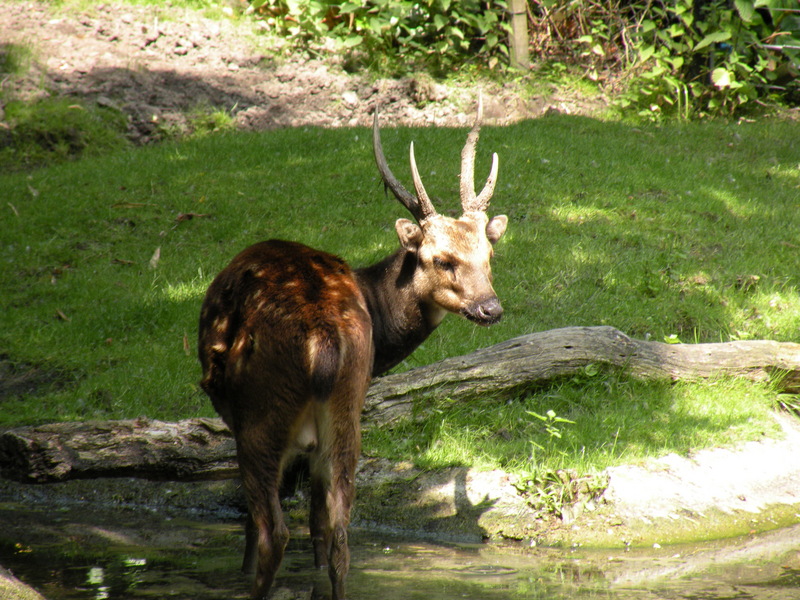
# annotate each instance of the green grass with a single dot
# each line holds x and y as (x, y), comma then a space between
(594, 422)
(688, 230)
(54, 129)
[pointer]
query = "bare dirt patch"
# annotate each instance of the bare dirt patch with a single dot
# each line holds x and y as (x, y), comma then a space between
(156, 64)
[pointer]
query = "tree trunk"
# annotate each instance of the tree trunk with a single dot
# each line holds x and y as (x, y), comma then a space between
(518, 39)
(204, 448)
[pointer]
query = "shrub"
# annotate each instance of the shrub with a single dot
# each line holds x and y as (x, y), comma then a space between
(713, 56)
(678, 57)
(440, 33)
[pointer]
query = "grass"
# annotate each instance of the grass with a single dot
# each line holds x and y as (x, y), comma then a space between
(684, 230)
(585, 424)
(52, 129)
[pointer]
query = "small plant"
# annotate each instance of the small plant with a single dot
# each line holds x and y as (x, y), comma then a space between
(562, 493)
(205, 121)
(14, 59)
(550, 422)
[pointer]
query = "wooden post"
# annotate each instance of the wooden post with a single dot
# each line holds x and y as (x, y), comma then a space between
(518, 45)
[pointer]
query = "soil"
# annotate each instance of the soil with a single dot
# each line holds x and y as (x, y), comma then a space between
(159, 64)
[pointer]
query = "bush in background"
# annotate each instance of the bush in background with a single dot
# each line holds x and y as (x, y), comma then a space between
(661, 57)
(439, 33)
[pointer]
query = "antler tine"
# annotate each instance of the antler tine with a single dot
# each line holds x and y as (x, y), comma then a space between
(469, 201)
(468, 161)
(482, 201)
(425, 204)
(421, 208)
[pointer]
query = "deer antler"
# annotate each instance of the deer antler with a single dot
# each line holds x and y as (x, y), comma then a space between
(420, 206)
(469, 201)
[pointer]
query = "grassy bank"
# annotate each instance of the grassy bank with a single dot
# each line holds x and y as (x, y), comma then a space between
(688, 232)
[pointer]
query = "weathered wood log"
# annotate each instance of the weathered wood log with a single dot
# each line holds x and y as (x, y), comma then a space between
(204, 448)
(532, 360)
(186, 450)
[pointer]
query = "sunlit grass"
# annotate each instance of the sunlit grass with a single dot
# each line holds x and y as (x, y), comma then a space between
(682, 231)
(596, 422)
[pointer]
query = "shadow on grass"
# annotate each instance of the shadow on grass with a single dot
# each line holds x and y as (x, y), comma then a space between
(683, 229)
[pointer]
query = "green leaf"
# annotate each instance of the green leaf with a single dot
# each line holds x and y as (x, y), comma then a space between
(348, 7)
(646, 52)
(352, 41)
(746, 10)
(676, 62)
(675, 30)
(713, 38)
(376, 24)
(721, 78)
(455, 32)
(439, 21)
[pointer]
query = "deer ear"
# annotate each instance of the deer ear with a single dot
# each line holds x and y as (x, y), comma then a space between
(410, 234)
(496, 227)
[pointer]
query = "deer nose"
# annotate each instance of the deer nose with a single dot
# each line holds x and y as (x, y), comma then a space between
(485, 312)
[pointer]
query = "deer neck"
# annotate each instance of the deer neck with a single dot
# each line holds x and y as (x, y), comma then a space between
(401, 320)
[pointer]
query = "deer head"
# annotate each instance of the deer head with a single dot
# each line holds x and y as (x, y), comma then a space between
(453, 255)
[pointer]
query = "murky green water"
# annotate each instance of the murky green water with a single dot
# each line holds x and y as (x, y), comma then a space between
(87, 554)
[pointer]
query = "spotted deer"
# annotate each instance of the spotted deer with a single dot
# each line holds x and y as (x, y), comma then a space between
(291, 336)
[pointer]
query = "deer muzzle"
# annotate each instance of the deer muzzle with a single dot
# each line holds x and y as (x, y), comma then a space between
(484, 312)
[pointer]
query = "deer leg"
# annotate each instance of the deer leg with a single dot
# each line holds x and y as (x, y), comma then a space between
(266, 539)
(266, 534)
(331, 500)
(332, 492)
(272, 536)
(318, 514)
(340, 500)
(250, 562)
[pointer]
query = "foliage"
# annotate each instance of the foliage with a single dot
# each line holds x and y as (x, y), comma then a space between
(560, 492)
(677, 57)
(706, 57)
(441, 33)
(680, 57)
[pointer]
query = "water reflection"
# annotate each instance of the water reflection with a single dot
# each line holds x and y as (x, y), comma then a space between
(72, 555)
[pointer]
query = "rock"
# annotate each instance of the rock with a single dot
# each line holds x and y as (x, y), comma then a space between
(350, 99)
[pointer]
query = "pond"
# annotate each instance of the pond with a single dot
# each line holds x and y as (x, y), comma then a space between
(82, 551)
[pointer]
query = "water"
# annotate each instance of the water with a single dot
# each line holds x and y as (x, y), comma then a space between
(79, 553)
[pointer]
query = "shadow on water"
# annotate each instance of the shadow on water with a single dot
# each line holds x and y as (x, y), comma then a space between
(73, 553)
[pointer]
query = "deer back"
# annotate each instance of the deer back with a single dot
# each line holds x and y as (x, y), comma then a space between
(281, 317)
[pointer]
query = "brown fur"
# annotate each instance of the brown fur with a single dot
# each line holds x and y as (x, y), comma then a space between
(289, 339)
(286, 350)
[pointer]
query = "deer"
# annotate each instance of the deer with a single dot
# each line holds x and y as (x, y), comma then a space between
(290, 338)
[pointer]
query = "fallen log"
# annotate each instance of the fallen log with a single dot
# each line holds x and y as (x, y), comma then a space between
(204, 448)
(187, 450)
(532, 360)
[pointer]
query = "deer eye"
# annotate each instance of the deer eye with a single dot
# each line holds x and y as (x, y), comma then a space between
(444, 264)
